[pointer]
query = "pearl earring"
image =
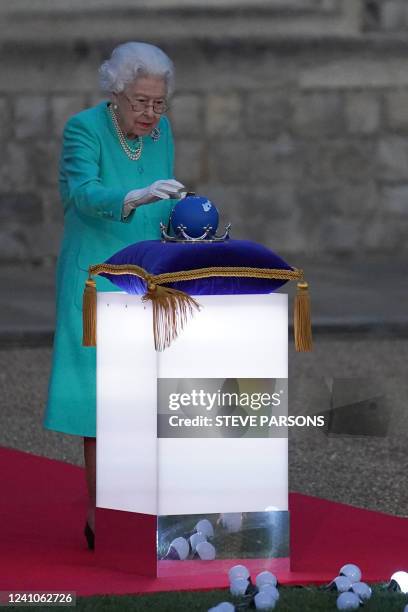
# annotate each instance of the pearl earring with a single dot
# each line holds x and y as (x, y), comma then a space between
(115, 107)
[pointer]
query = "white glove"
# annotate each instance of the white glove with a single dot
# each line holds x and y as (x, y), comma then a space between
(159, 190)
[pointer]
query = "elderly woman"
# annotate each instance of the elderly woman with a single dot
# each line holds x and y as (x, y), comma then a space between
(116, 185)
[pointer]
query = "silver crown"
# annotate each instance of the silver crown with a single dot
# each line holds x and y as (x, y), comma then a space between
(182, 236)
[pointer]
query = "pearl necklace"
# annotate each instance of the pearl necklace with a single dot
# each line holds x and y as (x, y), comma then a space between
(133, 154)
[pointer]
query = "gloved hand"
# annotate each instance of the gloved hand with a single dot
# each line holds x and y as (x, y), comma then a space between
(159, 190)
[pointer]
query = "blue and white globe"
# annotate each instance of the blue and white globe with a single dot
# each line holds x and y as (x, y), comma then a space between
(195, 213)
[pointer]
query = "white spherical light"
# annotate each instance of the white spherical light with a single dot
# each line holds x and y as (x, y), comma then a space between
(342, 584)
(181, 546)
(238, 571)
(206, 551)
(238, 586)
(269, 588)
(196, 538)
(232, 521)
(348, 601)
(205, 527)
(265, 578)
(362, 590)
(264, 601)
(401, 579)
(351, 571)
(224, 606)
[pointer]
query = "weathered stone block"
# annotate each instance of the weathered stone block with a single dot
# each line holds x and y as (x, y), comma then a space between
(276, 201)
(5, 120)
(12, 244)
(235, 67)
(338, 199)
(274, 161)
(45, 161)
(19, 169)
(333, 217)
(189, 162)
(333, 233)
(43, 241)
(15, 168)
(329, 5)
(63, 107)
(20, 208)
(385, 232)
(252, 226)
(285, 235)
(397, 109)
(363, 113)
(338, 161)
(392, 157)
(355, 73)
(52, 206)
(267, 113)
(31, 116)
(224, 115)
(43, 68)
(392, 15)
(395, 199)
(318, 113)
(229, 162)
(187, 115)
(4, 175)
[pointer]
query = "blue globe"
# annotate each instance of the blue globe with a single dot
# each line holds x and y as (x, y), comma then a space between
(195, 213)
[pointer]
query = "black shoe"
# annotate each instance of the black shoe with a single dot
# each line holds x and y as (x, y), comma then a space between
(90, 537)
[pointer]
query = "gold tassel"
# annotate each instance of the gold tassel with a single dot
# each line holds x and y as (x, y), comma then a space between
(171, 309)
(302, 321)
(89, 314)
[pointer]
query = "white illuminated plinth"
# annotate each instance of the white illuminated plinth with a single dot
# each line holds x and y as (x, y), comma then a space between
(233, 337)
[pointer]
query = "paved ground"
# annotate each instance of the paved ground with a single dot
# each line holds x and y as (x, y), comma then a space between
(361, 348)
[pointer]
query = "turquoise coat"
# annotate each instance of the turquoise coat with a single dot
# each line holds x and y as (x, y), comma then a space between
(95, 176)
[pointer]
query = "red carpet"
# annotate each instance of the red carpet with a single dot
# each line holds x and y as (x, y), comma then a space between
(42, 547)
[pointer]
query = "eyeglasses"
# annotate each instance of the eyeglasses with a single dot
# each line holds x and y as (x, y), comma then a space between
(141, 104)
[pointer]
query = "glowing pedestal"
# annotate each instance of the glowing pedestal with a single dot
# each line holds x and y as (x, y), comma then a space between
(142, 475)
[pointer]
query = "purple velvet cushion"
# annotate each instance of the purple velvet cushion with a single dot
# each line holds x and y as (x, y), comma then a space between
(158, 257)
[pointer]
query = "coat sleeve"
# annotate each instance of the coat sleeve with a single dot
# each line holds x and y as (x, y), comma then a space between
(80, 171)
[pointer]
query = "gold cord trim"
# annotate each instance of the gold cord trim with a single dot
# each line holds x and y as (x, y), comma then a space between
(185, 275)
(171, 308)
(302, 326)
(89, 314)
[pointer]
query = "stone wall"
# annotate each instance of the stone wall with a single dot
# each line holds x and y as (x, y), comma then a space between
(386, 15)
(297, 127)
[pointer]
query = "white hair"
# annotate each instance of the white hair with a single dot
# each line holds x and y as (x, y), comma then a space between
(132, 60)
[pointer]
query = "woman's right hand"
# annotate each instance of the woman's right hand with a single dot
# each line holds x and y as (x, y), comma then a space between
(159, 190)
